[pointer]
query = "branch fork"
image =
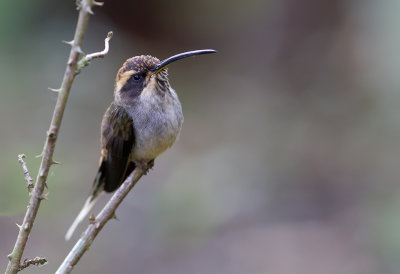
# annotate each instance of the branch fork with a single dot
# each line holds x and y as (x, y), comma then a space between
(38, 261)
(85, 61)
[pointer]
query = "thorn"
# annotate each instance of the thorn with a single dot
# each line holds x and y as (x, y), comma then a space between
(78, 49)
(89, 10)
(55, 162)
(100, 4)
(39, 155)
(44, 196)
(71, 43)
(10, 256)
(19, 226)
(115, 217)
(56, 90)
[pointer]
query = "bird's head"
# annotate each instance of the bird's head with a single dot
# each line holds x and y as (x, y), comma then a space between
(145, 74)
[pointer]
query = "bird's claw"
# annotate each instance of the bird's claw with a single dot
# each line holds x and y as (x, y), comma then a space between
(145, 166)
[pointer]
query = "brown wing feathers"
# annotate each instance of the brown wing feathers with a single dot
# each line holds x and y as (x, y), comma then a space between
(117, 141)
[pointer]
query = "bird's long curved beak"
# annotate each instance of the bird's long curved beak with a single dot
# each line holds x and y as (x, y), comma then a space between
(179, 56)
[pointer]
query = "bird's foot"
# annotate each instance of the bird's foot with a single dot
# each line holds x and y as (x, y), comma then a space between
(145, 166)
(150, 164)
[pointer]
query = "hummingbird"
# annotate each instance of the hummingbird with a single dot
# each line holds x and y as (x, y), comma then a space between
(144, 120)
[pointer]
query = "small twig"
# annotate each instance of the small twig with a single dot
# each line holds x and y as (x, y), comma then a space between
(51, 138)
(102, 53)
(28, 177)
(85, 61)
(37, 261)
(107, 213)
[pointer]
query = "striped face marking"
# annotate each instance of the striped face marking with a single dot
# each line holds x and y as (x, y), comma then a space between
(123, 78)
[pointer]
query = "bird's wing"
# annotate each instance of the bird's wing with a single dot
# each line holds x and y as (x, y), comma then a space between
(117, 142)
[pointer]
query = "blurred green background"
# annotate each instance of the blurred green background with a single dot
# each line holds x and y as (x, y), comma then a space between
(288, 161)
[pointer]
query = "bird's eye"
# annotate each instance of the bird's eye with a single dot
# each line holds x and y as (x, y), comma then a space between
(137, 77)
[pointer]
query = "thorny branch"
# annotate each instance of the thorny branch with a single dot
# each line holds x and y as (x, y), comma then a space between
(85, 9)
(28, 177)
(107, 213)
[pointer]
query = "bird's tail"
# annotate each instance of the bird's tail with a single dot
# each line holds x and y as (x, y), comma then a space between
(97, 189)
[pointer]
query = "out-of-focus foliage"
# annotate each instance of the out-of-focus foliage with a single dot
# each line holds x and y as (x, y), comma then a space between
(288, 159)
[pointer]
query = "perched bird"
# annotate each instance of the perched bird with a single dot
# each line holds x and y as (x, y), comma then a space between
(144, 120)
